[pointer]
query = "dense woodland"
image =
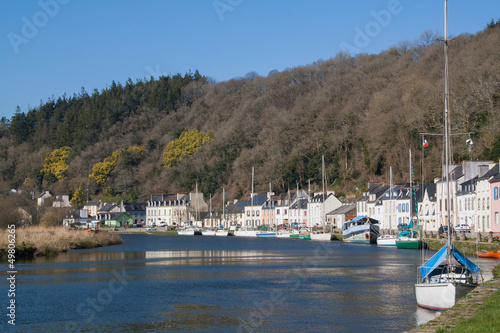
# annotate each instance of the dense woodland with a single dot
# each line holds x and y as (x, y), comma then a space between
(361, 112)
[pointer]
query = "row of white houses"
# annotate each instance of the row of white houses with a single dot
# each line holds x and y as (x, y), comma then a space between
(295, 208)
(474, 200)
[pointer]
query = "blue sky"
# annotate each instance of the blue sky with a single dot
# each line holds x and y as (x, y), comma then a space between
(52, 47)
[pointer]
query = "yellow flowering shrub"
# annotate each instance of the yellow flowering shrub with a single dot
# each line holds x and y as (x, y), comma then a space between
(188, 143)
(102, 170)
(56, 162)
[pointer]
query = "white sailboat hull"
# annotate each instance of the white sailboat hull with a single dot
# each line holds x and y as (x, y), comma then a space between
(440, 296)
(245, 233)
(186, 232)
(208, 232)
(221, 233)
(323, 237)
(283, 234)
(387, 240)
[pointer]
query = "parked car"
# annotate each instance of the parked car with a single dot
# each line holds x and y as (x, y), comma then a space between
(443, 231)
(462, 227)
(151, 228)
(163, 224)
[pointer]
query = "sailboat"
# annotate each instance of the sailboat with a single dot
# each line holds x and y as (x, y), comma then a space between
(410, 239)
(221, 231)
(247, 231)
(326, 236)
(448, 275)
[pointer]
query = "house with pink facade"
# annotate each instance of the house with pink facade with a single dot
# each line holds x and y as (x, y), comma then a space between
(495, 203)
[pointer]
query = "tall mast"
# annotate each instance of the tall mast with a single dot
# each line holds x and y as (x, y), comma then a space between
(223, 206)
(323, 181)
(447, 125)
(251, 207)
(390, 198)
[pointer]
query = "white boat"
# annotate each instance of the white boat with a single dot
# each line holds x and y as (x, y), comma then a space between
(221, 232)
(387, 240)
(444, 278)
(283, 234)
(448, 275)
(186, 232)
(266, 234)
(324, 236)
(208, 232)
(244, 232)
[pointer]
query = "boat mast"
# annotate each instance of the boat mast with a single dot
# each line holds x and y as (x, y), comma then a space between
(323, 184)
(390, 198)
(223, 206)
(446, 126)
(251, 207)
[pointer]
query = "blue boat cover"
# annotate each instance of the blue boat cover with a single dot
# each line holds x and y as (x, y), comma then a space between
(440, 256)
(357, 218)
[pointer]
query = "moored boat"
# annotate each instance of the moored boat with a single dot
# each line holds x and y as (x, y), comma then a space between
(490, 254)
(304, 234)
(361, 229)
(208, 232)
(294, 234)
(221, 232)
(387, 240)
(244, 232)
(448, 274)
(266, 234)
(406, 242)
(186, 232)
(283, 234)
(324, 236)
(445, 278)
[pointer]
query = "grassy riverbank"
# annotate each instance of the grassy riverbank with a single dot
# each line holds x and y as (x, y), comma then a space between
(479, 311)
(465, 246)
(39, 241)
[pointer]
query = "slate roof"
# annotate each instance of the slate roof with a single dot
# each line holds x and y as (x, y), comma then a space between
(135, 206)
(344, 209)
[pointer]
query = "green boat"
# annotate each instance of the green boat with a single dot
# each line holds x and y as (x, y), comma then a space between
(305, 235)
(405, 242)
(409, 238)
(294, 234)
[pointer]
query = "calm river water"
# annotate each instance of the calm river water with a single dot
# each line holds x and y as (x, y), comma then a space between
(163, 283)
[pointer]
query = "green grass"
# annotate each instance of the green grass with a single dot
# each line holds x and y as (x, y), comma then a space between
(486, 318)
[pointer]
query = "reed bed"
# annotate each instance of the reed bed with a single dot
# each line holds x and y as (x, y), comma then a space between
(40, 240)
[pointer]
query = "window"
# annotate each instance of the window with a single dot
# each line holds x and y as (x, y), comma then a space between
(497, 218)
(248, 213)
(277, 211)
(258, 213)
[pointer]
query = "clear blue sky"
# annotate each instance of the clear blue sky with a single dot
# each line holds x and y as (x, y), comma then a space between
(52, 47)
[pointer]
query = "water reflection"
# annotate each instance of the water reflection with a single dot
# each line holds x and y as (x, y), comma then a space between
(217, 284)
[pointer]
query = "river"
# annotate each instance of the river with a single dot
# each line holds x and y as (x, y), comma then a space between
(167, 283)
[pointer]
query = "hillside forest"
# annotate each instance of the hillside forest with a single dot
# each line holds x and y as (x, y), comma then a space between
(169, 134)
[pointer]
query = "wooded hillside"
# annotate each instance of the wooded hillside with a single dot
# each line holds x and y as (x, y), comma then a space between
(362, 112)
